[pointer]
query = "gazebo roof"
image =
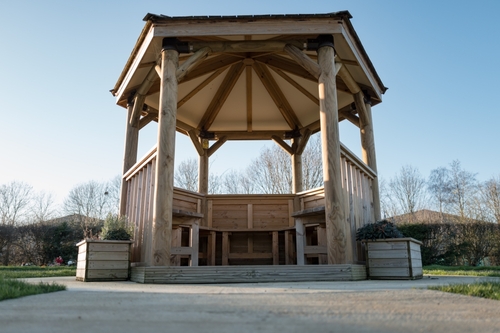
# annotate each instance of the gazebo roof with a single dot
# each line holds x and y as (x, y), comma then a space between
(248, 93)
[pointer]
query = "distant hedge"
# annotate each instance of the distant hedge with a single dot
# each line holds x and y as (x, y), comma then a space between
(471, 243)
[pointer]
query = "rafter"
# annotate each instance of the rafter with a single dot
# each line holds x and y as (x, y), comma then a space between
(286, 65)
(277, 95)
(346, 113)
(200, 87)
(248, 75)
(296, 85)
(221, 95)
(216, 145)
(192, 62)
(210, 65)
(196, 142)
(303, 60)
(286, 147)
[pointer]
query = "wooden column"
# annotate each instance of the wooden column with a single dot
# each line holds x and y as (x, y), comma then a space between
(164, 182)
(300, 241)
(363, 106)
(296, 168)
(203, 174)
(131, 144)
(330, 142)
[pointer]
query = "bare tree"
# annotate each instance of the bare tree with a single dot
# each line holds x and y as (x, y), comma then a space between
(439, 186)
(271, 171)
(186, 175)
(43, 207)
(408, 189)
(463, 188)
(15, 198)
(312, 165)
(490, 193)
(90, 203)
(388, 204)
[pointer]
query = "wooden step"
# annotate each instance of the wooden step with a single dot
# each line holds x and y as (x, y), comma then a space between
(247, 274)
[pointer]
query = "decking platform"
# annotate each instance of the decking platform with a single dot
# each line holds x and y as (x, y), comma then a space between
(246, 274)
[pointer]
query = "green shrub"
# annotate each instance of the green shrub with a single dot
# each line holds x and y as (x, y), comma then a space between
(116, 228)
(378, 230)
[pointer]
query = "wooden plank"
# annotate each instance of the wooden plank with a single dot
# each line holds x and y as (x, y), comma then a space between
(182, 250)
(315, 249)
(254, 255)
(276, 252)
(107, 264)
(300, 240)
(108, 247)
(194, 243)
(244, 274)
(389, 263)
(389, 272)
(387, 245)
(123, 255)
(387, 254)
(107, 275)
(225, 248)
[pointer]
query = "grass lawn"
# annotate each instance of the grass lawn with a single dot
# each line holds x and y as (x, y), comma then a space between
(493, 271)
(24, 272)
(489, 290)
(12, 288)
(480, 289)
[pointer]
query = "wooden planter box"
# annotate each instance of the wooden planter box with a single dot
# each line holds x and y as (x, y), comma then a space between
(103, 260)
(395, 258)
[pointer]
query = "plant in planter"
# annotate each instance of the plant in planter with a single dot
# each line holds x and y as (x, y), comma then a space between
(106, 259)
(115, 228)
(389, 255)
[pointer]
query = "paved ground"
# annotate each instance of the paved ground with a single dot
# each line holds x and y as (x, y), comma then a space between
(362, 306)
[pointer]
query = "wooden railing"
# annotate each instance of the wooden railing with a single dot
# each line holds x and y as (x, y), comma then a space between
(187, 207)
(242, 216)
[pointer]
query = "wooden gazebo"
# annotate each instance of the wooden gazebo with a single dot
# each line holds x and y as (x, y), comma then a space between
(266, 77)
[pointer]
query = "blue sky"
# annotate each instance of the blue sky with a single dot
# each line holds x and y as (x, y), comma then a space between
(60, 125)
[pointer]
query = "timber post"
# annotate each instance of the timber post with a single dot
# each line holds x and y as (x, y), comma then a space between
(164, 180)
(330, 145)
(297, 173)
(363, 105)
(131, 146)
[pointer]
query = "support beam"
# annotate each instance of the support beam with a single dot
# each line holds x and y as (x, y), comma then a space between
(348, 80)
(164, 177)
(249, 91)
(199, 87)
(196, 142)
(303, 60)
(203, 173)
(221, 95)
(306, 134)
(216, 145)
(297, 173)
(192, 62)
(334, 214)
(282, 144)
(129, 156)
(368, 144)
(345, 113)
(296, 85)
(277, 95)
(247, 45)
